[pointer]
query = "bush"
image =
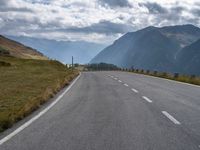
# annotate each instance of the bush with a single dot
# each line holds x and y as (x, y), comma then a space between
(192, 77)
(4, 64)
(176, 75)
(155, 72)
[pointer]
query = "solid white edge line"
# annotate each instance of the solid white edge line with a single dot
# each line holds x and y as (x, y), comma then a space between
(170, 117)
(147, 99)
(29, 122)
(134, 90)
(126, 84)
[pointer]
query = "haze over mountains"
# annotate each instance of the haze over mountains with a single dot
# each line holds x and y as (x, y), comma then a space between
(170, 49)
(82, 51)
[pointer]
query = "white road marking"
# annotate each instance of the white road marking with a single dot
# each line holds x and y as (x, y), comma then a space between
(119, 81)
(134, 90)
(29, 122)
(170, 117)
(115, 78)
(147, 99)
(126, 84)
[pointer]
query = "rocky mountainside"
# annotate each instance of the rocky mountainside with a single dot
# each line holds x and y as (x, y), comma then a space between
(151, 48)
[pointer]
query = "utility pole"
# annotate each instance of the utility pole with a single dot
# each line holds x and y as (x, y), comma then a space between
(72, 63)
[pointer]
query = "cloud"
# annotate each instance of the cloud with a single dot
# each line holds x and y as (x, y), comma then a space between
(154, 8)
(115, 3)
(92, 20)
(196, 12)
(103, 27)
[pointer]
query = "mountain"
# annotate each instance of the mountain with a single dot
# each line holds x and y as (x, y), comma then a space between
(189, 59)
(82, 51)
(13, 48)
(150, 48)
(182, 34)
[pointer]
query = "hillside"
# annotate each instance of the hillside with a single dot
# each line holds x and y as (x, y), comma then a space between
(27, 80)
(82, 51)
(189, 58)
(28, 83)
(13, 48)
(150, 48)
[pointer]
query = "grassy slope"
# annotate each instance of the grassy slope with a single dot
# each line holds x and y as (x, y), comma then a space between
(26, 84)
(19, 50)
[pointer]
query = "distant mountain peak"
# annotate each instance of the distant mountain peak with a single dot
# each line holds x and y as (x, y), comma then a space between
(151, 48)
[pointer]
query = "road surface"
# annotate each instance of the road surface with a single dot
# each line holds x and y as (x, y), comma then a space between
(116, 111)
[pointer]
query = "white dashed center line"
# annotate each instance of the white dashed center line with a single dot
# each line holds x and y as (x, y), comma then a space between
(115, 78)
(126, 84)
(119, 81)
(170, 117)
(147, 99)
(134, 90)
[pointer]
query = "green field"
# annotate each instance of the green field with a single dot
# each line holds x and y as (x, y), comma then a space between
(26, 84)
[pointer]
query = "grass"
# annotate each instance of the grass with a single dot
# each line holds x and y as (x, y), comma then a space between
(3, 51)
(176, 77)
(25, 84)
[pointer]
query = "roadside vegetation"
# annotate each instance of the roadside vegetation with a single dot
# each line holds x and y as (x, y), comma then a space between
(192, 79)
(25, 84)
(101, 67)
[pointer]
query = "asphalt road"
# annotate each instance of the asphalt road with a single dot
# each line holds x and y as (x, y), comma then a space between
(117, 111)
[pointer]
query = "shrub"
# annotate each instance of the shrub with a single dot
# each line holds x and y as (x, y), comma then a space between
(155, 72)
(4, 64)
(176, 75)
(192, 77)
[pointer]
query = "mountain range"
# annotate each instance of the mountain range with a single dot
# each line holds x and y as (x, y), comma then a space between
(168, 49)
(63, 51)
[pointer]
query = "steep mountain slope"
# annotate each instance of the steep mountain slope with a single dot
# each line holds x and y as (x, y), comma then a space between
(10, 47)
(189, 59)
(82, 51)
(183, 34)
(150, 48)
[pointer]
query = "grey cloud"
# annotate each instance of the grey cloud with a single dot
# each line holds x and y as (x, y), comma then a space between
(6, 6)
(196, 12)
(103, 27)
(115, 3)
(12, 9)
(154, 8)
(178, 9)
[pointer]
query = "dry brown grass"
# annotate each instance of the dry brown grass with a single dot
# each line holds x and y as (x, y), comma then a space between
(19, 50)
(180, 78)
(27, 84)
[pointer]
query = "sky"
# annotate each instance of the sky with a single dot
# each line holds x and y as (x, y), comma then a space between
(98, 21)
